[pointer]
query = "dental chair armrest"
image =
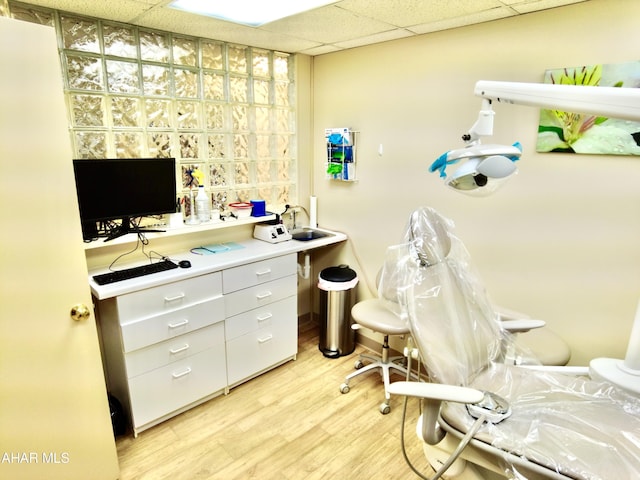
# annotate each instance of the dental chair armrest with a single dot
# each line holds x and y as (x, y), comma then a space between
(516, 322)
(436, 391)
(431, 397)
(522, 325)
(508, 314)
(578, 371)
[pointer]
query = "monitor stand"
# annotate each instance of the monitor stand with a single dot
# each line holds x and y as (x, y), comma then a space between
(126, 227)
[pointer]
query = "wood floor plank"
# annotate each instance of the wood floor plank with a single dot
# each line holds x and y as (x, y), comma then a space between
(291, 423)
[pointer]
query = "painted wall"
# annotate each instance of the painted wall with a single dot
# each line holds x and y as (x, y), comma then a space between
(560, 241)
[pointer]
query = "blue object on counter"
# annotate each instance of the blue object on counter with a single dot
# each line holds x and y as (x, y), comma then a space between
(216, 248)
(259, 208)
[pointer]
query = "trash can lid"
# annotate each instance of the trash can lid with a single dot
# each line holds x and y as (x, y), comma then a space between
(337, 278)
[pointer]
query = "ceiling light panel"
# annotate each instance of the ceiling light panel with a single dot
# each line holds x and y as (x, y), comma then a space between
(249, 12)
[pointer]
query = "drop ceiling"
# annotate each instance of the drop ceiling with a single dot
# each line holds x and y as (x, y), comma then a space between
(341, 25)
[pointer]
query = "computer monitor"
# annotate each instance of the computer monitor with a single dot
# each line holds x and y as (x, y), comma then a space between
(123, 189)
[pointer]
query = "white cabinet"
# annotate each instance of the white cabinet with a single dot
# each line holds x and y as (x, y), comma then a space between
(260, 339)
(261, 325)
(164, 347)
(173, 346)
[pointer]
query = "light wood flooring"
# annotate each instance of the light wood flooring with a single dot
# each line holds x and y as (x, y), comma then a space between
(290, 423)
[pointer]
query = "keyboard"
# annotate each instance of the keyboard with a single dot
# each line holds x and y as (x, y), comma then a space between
(134, 272)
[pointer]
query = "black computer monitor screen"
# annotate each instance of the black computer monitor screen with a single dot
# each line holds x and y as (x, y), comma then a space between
(123, 189)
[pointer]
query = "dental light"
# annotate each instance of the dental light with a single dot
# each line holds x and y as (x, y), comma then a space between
(484, 168)
(488, 166)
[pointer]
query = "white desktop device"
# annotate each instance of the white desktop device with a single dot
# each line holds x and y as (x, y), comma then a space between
(271, 233)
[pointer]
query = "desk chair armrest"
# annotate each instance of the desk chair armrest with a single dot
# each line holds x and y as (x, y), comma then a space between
(432, 395)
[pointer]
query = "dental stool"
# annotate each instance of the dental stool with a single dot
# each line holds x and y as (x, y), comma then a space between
(372, 314)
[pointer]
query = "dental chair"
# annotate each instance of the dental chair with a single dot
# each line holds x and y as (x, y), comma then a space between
(478, 410)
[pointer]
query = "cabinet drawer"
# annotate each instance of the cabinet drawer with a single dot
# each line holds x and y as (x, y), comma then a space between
(256, 351)
(170, 351)
(141, 333)
(258, 272)
(261, 317)
(260, 295)
(167, 389)
(149, 302)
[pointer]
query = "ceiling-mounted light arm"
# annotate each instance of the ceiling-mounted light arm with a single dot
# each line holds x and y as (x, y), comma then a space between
(616, 102)
(483, 126)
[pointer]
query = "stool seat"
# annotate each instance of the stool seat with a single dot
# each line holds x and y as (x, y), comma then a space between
(373, 314)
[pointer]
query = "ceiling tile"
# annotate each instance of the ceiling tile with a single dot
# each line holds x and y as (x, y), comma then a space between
(376, 38)
(321, 50)
(328, 25)
(404, 13)
(456, 22)
(536, 5)
(117, 10)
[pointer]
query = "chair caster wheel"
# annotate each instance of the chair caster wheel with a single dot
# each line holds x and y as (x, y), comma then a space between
(358, 364)
(344, 388)
(384, 408)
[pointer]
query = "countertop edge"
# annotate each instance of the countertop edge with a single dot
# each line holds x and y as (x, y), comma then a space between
(252, 250)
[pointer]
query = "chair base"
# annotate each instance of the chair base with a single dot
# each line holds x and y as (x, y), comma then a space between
(385, 364)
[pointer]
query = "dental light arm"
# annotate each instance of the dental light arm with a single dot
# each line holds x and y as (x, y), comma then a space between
(613, 102)
(486, 167)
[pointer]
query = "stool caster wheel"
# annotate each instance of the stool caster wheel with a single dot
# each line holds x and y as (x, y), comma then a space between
(384, 408)
(358, 364)
(344, 388)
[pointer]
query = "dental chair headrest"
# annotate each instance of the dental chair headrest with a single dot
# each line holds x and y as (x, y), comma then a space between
(428, 231)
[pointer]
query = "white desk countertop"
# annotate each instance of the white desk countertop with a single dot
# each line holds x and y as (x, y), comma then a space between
(253, 250)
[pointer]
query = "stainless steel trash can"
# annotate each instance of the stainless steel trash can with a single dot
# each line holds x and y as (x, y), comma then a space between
(337, 297)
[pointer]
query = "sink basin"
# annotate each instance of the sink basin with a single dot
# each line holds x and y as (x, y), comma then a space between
(308, 233)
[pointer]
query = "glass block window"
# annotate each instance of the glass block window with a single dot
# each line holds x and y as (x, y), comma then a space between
(227, 110)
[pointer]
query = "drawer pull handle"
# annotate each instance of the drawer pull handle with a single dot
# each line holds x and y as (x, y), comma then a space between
(263, 272)
(173, 351)
(265, 339)
(186, 371)
(266, 316)
(180, 296)
(262, 296)
(179, 324)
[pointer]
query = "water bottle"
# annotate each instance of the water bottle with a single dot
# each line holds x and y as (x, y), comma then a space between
(203, 205)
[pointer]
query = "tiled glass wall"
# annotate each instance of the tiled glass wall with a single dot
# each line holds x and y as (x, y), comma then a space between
(227, 110)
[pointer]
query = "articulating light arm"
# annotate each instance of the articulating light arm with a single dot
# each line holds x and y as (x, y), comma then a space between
(486, 167)
(483, 126)
(613, 102)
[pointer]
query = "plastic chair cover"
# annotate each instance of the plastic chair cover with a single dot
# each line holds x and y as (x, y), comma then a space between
(571, 425)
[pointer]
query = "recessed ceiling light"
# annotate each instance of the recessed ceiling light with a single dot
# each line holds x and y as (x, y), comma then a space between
(248, 12)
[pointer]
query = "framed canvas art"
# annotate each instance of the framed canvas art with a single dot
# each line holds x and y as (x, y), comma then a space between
(560, 131)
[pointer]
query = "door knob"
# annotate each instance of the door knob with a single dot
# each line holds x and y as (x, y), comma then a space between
(80, 312)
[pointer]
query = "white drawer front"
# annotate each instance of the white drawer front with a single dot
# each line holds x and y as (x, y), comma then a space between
(260, 295)
(171, 296)
(259, 350)
(261, 317)
(170, 351)
(174, 386)
(258, 272)
(141, 333)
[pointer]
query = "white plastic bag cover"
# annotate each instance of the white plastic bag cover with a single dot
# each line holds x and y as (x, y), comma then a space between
(572, 425)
